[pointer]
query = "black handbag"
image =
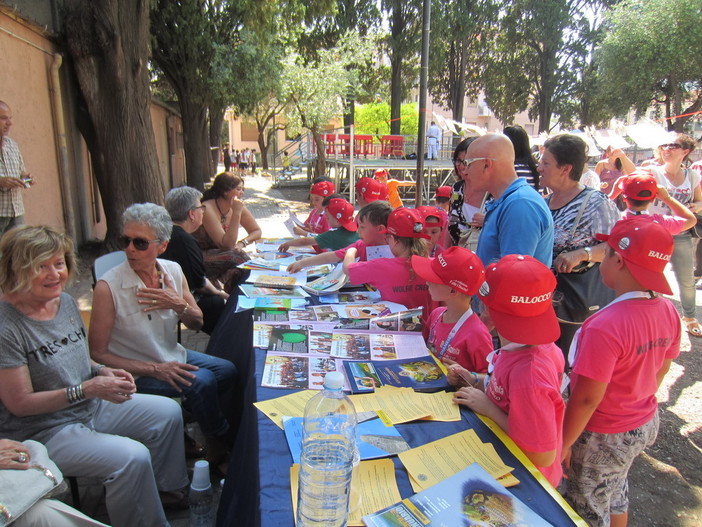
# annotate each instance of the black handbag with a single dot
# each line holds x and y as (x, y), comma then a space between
(696, 229)
(580, 293)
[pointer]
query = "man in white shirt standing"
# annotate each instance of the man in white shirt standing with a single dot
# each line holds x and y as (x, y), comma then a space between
(13, 176)
(433, 141)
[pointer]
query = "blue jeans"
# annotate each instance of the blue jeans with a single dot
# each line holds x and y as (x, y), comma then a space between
(215, 377)
(683, 262)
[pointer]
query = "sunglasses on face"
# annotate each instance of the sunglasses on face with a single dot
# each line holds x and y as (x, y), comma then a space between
(671, 146)
(468, 161)
(140, 244)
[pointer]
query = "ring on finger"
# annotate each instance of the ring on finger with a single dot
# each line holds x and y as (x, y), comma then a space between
(153, 301)
(22, 458)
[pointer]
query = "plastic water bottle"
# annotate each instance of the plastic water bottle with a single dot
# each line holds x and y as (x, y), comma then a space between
(328, 445)
(201, 497)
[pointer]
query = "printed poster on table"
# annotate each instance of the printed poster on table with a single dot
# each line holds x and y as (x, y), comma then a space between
(286, 370)
(422, 374)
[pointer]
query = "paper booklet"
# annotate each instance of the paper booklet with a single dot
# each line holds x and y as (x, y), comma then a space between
(423, 374)
(469, 497)
(277, 279)
(373, 438)
(329, 283)
(293, 221)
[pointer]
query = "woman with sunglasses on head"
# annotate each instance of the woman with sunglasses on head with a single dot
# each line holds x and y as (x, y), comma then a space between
(137, 307)
(87, 415)
(682, 184)
(219, 236)
(183, 204)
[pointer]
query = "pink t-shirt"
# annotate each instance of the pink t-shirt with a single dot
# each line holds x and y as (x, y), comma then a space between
(469, 347)
(391, 276)
(526, 385)
(317, 222)
(625, 345)
(672, 224)
(360, 247)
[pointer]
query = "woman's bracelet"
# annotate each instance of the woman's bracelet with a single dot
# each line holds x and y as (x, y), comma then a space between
(75, 394)
(95, 370)
(182, 313)
(244, 242)
(475, 377)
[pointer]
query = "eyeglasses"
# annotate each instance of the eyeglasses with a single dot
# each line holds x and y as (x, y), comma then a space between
(200, 207)
(468, 161)
(671, 146)
(140, 244)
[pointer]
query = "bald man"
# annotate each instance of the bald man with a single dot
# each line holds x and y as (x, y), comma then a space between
(517, 220)
(13, 177)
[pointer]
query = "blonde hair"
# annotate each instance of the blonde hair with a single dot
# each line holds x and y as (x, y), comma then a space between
(415, 246)
(23, 249)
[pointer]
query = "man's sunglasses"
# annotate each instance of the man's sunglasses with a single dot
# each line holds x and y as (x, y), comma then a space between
(140, 244)
(468, 161)
(671, 146)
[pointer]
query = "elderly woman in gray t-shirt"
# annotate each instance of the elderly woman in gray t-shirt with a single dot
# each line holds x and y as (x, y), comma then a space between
(88, 416)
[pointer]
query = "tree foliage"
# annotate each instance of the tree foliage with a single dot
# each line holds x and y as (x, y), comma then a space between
(652, 55)
(538, 50)
(462, 34)
(374, 118)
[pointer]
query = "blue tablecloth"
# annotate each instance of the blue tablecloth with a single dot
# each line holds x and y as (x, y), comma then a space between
(257, 491)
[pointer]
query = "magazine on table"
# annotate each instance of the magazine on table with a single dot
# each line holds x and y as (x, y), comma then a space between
(277, 279)
(293, 221)
(297, 371)
(253, 291)
(422, 374)
(328, 283)
(373, 438)
(469, 497)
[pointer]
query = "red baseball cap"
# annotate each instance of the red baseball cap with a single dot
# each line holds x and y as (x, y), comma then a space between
(370, 189)
(381, 172)
(457, 267)
(323, 188)
(518, 292)
(646, 247)
(343, 211)
(639, 185)
(443, 191)
(431, 211)
(406, 223)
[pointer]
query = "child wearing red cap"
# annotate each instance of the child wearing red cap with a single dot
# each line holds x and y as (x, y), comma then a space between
(393, 195)
(435, 221)
(442, 197)
(339, 213)
(369, 190)
(640, 189)
(454, 333)
(394, 277)
(619, 357)
(522, 389)
(371, 220)
(316, 222)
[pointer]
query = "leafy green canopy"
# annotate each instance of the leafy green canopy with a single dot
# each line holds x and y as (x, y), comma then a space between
(374, 118)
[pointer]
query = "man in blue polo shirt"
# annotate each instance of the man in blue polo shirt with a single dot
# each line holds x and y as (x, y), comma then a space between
(517, 220)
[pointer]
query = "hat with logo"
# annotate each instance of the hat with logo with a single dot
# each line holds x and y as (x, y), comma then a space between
(343, 211)
(443, 191)
(323, 188)
(457, 267)
(370, 189)
(406, 223)
(429, 211)
(646, 247)
(639, 185)
(518, 292)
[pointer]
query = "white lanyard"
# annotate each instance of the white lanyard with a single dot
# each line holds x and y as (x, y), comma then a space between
(452, 333)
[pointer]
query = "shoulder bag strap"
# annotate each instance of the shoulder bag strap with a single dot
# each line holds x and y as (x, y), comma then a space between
(581, 211)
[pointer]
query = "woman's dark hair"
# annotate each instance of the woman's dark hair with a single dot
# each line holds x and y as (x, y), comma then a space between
(568, 150)
(522, 150)
(462, 147)
(223, 183)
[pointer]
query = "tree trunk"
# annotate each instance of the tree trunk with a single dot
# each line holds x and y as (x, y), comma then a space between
(320, 166)
(395, 92)
(216, 115)
(108, 42)
(198, 163)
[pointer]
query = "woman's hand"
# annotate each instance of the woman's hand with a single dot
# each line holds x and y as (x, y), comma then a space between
(161, 298)
(114, 372)
(174, 373)
(109, 388)
(237, 206)
(567, 261)
(13, 455)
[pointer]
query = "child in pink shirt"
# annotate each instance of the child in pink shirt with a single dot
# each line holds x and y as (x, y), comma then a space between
(522, 389)
(640, 189)
(454, 333)
(394, 277)
(316, 222)
(619, 357)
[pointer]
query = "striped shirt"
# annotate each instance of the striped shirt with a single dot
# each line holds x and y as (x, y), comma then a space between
(11, 165)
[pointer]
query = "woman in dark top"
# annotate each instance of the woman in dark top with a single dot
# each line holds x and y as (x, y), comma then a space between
(524, 162)
(186, 211)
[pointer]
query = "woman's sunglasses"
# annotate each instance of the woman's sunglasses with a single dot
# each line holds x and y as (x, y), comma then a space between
(670, 146)
(140, 244)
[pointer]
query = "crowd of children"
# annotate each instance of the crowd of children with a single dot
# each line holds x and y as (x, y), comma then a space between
(618, 358)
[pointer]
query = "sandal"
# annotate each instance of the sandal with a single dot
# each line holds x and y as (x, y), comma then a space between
(692, 326)
(175, 500)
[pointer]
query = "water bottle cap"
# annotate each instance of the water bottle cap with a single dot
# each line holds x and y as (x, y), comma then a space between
(334, 380)
(201, 475)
